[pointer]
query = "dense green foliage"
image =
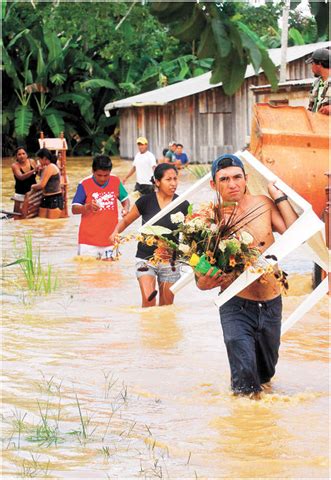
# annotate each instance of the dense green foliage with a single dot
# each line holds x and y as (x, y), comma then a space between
(61, 68)
(63, 61)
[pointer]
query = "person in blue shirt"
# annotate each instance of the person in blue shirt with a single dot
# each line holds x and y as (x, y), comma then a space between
(181, 156)
(170, 156)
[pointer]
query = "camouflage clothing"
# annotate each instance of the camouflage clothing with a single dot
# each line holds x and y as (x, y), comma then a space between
(319, 94)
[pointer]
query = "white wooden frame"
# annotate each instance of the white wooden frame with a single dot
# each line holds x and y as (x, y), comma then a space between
(307, 228)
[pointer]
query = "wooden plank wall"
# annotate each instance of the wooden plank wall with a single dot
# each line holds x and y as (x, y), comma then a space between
(207, 124)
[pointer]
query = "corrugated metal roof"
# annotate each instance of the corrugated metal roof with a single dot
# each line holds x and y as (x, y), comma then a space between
(162, 96)
(303, 81)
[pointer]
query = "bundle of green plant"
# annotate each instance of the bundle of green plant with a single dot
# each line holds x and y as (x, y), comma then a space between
(199, 170)
(39, 279)
(46, 433)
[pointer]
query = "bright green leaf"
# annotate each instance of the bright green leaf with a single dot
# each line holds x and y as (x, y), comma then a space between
(54, 120)
(23, 120)
(98, 83)
(296, 36)
(17, 37)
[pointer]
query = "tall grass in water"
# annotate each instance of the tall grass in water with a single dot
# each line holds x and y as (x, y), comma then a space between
(39, 279)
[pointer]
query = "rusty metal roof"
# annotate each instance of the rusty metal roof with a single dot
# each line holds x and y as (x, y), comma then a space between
(162, 96)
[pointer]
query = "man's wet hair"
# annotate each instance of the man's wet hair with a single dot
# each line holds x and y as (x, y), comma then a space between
(102, 162)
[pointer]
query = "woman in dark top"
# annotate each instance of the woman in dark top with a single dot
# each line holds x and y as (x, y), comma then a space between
(25, 170)
(166, 181)
(50, 182)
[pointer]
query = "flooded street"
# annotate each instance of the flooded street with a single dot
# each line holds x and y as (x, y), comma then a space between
(95, 387)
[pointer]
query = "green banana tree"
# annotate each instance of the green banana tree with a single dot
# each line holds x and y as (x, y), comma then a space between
(23, 113)
(29, 85)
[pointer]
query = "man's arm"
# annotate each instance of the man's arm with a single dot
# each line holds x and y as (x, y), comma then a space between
(208, 282)
(125, 207)
(282, 213)
(79, 205)
(124, 199)
(128, 175)
(86, 208)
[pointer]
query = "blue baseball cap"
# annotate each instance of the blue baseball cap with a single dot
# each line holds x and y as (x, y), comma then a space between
(224, 161)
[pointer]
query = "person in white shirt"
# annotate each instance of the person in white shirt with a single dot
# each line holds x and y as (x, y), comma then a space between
(144, 164)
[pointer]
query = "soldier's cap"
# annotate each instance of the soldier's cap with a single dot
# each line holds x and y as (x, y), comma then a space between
(320, 55)
(224, 161)
(142, 140)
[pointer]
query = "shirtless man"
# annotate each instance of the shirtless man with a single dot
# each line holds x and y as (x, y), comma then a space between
(251, 321)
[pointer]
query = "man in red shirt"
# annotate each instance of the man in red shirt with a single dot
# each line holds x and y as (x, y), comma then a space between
(96, 201)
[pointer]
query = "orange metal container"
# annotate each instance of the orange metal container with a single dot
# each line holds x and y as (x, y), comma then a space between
(294, 144)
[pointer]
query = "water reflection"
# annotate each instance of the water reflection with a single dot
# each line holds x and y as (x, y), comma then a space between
(159, 328)
(251, 438)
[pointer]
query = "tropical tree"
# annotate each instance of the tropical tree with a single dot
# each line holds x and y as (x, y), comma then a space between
(221, 33)
(221, 36)
(63, 61)
(60, 69)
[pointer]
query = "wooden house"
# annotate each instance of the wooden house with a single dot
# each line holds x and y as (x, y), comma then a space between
(294, 93)
(198, 114)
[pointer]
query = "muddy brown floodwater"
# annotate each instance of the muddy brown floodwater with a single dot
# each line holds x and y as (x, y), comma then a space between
(95, 387)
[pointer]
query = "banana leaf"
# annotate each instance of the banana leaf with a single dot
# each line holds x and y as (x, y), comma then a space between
(23, 120)
(98, 83)
(54, 119)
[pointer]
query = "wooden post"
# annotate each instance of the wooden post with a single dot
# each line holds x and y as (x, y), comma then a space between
(64, 175)
(327, 220)
(42, 137)
(284, 40)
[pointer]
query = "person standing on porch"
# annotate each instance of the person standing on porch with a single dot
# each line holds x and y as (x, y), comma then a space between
(319, 98)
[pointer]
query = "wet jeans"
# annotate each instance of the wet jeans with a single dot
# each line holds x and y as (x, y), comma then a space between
(251, 331)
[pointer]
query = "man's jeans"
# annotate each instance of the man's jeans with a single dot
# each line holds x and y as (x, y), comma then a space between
(251, 333)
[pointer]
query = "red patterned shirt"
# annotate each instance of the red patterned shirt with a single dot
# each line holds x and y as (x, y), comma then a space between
(96, 227)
